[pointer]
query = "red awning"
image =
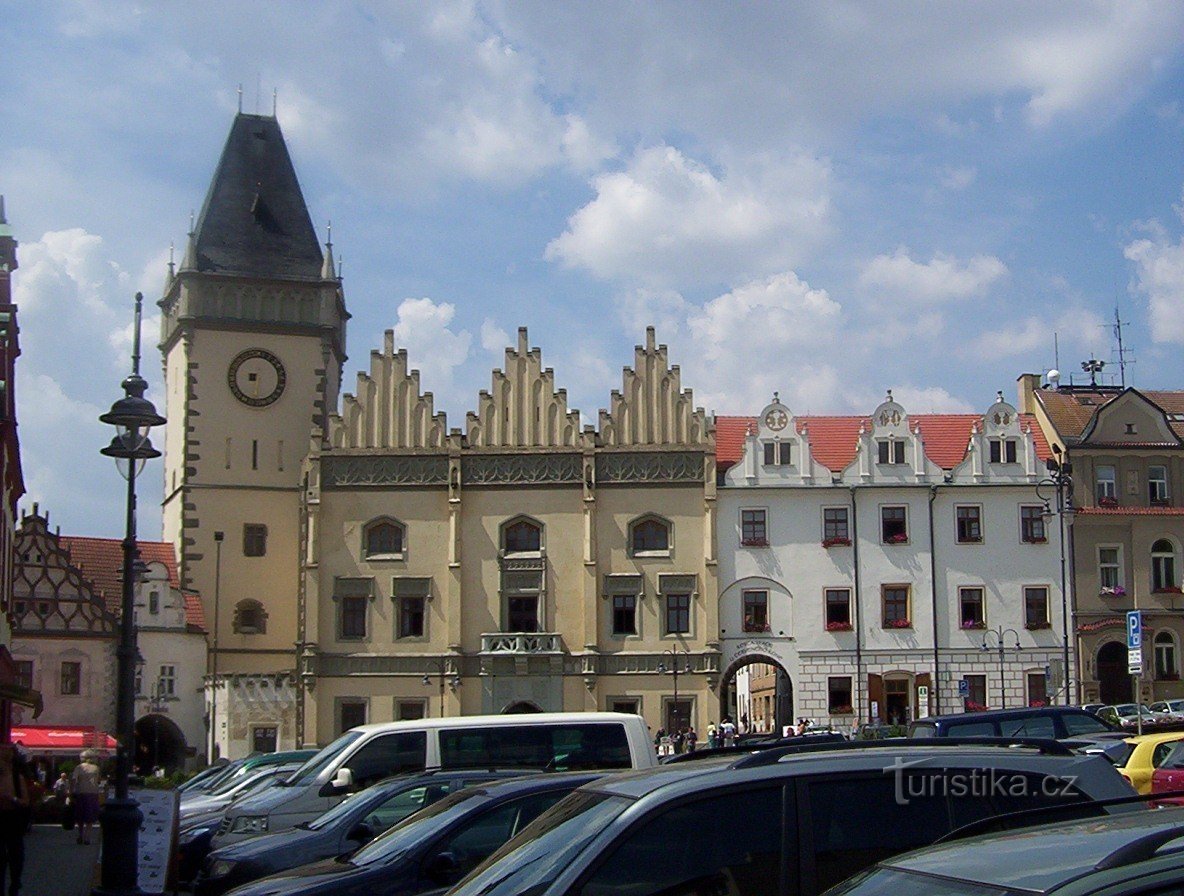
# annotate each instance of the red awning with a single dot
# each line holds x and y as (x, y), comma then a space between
(63, 738)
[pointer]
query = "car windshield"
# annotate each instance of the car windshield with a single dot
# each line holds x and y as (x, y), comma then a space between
(1126, 709)
(313, 767)
(234, 784)
(528, 864)
(1176, 705)
(1175, 757)
(414, 829)
(891, 882)
(345, 807)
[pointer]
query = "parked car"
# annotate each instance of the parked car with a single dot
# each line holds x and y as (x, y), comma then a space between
(201, 780)
(1092, 708)
(1147, 753)
(353, 822)
(1057, 722)
(1132, 853)
(432, 849)
(1126, 715)
(771, 822)
(1168, 776)
(1174, 708)
(241, 768)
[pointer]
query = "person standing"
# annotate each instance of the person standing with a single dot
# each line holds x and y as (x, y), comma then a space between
(692, 739)
(86, 783)
(14, 818)
(712, 740)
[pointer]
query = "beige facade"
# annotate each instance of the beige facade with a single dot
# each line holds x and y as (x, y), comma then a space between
(522, 563)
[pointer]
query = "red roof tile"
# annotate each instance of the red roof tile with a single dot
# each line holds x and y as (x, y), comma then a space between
(1098, 624)
(833, 440)
(195, 615)
(1070, 410)
(101, 561)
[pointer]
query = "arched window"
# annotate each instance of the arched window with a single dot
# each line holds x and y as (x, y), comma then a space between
(522, 537)
(250, 618)
(383, 540)
(649, 537)
(1165, 656)
(1163, 566)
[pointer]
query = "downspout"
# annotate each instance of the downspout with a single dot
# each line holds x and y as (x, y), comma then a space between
(860, 684)
(933, 592)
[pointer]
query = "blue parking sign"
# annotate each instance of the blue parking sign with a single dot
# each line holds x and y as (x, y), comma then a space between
(963, 687)
(1134, 630)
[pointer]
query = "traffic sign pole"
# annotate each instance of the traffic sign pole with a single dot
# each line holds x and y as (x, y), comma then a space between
(1134, 659)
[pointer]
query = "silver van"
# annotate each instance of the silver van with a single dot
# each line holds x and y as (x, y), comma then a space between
(363, 755)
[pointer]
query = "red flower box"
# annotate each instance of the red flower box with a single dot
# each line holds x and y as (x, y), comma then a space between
(1107, 502)
(841, 710)
(754, 542)
(1169, 589)
(972, 625)
(839, 626)
(899, 623)
(748, 627)
(899, 538)
(971, 706)
(836, 542)
(1036, 540)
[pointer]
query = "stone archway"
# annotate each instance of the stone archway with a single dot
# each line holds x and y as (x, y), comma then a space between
(159, 744)
(770, 701)
(521, 706)
(1114, 681)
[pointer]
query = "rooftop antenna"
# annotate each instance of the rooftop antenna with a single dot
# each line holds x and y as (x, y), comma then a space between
(275, 95)
(258, 89)
(240, 99)
(1123, 352)
(1093, 367)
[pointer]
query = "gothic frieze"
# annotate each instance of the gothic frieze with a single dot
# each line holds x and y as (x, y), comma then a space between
(649, 467)
(522, 469)
(369, 471)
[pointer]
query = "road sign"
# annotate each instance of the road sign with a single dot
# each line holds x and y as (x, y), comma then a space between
(963, 687)
(1134, 642)
(1134, 661)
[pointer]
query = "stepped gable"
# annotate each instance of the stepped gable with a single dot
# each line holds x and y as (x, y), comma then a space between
(387, 409)
(254, 221)
(522, 408)
(652, 408)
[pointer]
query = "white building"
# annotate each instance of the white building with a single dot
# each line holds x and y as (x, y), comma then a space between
(871, 558)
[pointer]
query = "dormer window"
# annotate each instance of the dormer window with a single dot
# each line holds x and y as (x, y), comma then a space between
(1003, 451)
(1131, 430)
(778, 454)
(891, 451)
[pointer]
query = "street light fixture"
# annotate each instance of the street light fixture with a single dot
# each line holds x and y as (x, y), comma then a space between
(675, 654)
(1060, 480)
(132, 416)
(452, 681)
(1001, 642)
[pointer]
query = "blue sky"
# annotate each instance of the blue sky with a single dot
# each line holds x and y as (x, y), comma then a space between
(828, 200)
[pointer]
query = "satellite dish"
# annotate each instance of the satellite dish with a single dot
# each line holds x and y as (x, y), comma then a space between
(1054, 378)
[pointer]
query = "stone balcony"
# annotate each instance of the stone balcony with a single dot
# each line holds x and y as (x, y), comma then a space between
(521, 643)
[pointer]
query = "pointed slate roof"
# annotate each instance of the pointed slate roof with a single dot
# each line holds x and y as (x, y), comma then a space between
(254, 220)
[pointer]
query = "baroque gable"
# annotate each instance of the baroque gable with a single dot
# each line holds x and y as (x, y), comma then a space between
(1129, 419)
(777, 451)
(652, 408)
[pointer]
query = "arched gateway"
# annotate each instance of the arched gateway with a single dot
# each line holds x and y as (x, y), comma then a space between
(757, 694)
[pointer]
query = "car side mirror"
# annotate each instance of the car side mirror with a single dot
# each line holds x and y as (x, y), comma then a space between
(361, 833)
(343, 781)
(441, 868)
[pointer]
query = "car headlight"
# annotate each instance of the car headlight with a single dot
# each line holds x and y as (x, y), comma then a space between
(250, 824)
(221, 868)
(188, 835)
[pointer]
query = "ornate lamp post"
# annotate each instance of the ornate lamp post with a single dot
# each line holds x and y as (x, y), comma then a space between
(132, 416)
(1001, 642)
(1060, 481)
(675, 655)
(453, 681)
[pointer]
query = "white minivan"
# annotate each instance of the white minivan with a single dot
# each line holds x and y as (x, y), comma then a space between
(548, 741)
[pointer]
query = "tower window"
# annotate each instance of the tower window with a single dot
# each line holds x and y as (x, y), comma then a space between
(250, 618)
(254, 540)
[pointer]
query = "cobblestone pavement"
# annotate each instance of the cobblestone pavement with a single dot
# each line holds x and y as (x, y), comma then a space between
(56, 865)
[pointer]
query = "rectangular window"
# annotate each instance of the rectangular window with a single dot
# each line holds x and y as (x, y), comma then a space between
(263, 738)
(895, 612)
(71, 680)
(1032, 529)
(254, 540)
(890, 451)
(838, 695)
(1003, 451)
(969, 523)
(624, 614)
(835, 527)
(756, 611)
(753, 531)
(1109, 569)
(350, 713)
(411, 617)
(972, 609)
(1036, 606)
(167, 683)
(976, 696)
(154, 602)
(254, 454)
(411, 595)
(555, 746)
(678, 614)
(409, 710)
(24, 673)
(1037, 689)
(1157, 486)
(778, 454)
(838, 609)
(894, 525)
(352, 616)
(629, 705)
(1107, 490)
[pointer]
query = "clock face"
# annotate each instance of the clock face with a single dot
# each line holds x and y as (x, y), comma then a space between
(256, 377)
(776, 420)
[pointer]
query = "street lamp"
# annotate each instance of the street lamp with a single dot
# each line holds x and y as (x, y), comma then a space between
(132, 416)
(1060, 479)
(212, 752)
(1001, 642)
(441, 667)
(675, 654)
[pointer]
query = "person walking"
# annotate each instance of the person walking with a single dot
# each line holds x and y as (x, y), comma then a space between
(86, 783)
(14, 817)
(712, 738)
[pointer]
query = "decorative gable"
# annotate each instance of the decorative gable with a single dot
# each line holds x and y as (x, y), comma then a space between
(652, 408)
(522, 408)
(387, 409)
(1129, 419)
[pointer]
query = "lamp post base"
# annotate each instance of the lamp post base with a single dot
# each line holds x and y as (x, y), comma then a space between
(120, 822)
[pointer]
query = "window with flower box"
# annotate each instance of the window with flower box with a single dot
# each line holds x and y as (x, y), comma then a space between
(756, 611)
(969, 523)
(836, 528)
(971, 608)
(838, 695)
(838, 609)
(1157, 486)
(753, 528)
(1036, 606)
(1032, 529)
(976, 694)
(895, 606)
(894, 525)
(1037, 689)
(1110, 570)
(1106, 486)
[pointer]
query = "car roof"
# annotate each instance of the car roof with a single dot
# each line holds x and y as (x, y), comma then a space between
(1156, 737)
(540, 783)
(1040, 858)
(415, 779)
(528, 718)
(987, 714)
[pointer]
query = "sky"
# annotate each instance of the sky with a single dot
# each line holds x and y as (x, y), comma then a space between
(824, 200)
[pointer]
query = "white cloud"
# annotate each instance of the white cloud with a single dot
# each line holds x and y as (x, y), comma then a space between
(493, 338)
(1033, 336)
(1159, 274)
(423, 328)
(927, 400)
(943, 279)
(957, 177)
(668, 220)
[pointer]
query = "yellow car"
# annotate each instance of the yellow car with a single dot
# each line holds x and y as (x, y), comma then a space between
(1147, 752)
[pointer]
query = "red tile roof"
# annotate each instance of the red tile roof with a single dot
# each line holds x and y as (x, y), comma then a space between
(195, 615)
(833, 440)
(1099, 624)
(1070, 410)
